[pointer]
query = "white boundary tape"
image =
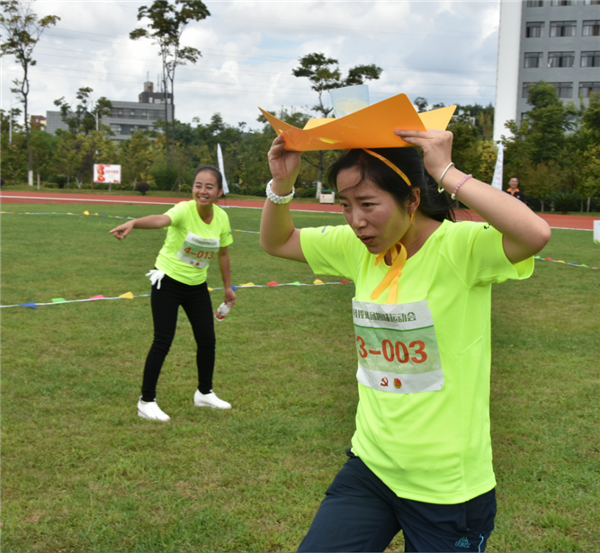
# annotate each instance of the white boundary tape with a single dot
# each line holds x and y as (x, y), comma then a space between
(86, 200)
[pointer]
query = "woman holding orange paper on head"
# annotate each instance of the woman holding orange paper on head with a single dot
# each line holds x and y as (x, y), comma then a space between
(421, 458)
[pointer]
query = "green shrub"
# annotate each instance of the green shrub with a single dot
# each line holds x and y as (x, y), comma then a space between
(259, 190)
(189, 174)
(164, 176)
(57, 181)
(565, 201)
(306, 192)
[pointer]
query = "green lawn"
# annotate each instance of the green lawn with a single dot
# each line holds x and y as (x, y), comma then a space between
(81, 472)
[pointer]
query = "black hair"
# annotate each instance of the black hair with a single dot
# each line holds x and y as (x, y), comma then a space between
(212, 169)
(433, 204)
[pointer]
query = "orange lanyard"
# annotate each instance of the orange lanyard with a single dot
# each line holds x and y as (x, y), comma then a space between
(399, 255)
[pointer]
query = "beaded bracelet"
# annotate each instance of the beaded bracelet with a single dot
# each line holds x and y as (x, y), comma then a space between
(453, 195)
(279, 200)
(440, 190)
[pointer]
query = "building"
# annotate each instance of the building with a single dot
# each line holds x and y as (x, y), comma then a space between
(557, 41)
(38, 122)
(127, 117)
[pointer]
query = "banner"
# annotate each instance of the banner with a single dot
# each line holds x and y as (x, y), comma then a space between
(222, 169)
(497, 179)
(107, 173)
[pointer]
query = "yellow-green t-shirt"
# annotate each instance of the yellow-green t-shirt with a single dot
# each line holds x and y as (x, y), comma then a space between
(191, 244)
(431, 446)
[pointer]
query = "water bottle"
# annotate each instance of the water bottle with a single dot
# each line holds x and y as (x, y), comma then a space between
(222, 311)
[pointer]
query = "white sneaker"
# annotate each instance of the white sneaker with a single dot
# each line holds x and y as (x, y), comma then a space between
(210, 400)
(151, 410)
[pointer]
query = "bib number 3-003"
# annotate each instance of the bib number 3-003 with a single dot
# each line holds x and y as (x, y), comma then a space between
(397, 347)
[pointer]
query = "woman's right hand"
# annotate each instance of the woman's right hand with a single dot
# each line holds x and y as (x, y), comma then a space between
(436, 146)
(284, 166)
(122, 231)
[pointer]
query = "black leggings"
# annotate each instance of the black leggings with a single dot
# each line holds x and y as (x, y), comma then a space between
(165, 302)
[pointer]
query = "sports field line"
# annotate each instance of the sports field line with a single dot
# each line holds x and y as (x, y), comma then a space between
(129, 201)
(322, 208)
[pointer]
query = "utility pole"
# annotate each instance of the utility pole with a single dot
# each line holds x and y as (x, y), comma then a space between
(95, 117)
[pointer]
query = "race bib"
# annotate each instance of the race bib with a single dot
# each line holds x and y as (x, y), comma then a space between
(198, 251)
(397, 347)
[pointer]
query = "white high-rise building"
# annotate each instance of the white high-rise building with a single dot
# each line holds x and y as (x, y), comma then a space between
(557, 41)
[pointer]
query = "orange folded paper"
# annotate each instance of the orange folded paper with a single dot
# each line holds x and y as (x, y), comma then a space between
(370, 127)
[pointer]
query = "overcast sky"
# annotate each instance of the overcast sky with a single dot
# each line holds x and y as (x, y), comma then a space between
(443, 51)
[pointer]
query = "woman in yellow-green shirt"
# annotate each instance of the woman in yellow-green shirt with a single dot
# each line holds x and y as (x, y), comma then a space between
(198, 234)
(421, 458)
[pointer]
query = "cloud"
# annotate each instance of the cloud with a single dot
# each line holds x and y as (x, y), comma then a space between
(444, 51)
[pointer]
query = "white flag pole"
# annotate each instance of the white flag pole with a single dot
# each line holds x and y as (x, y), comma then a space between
(497, 180)
(222, 169)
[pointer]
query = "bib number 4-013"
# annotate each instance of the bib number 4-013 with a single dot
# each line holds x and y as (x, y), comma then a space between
(197, 251)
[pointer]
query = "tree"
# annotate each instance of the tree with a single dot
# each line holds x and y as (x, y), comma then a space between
(23, 30)
(166, 25)
(182, 158)
(324, 74)
(487, 154)
(68, 154)
(43, 146)
(421, 103)
(13, 160)
(465, 144)
(95, 148)
(543, 143)
(591, 119)
(584, 146)
(84, 116)
(589, 186)
(135, 157)
(541, 180)
(77, 153)
(547, 123)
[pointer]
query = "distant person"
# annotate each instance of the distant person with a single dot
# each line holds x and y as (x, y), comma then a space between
(513, 190)
(199, 234)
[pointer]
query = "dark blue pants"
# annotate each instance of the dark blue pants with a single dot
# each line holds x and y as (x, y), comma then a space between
(196, 303)
(360, 513)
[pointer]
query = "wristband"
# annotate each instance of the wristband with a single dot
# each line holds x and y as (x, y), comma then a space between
(440, 181)
(453, 195)
(279, 200)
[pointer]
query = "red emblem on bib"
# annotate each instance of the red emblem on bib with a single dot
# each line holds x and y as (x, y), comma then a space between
(397, 383)
(384, 381)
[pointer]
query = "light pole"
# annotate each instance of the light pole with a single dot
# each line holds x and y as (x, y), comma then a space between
(95, 117)
(10, 115)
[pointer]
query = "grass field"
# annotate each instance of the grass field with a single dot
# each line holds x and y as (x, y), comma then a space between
(81, 472)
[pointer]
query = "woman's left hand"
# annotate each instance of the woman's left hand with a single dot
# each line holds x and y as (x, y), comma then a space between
(229, 296)
(436, 146)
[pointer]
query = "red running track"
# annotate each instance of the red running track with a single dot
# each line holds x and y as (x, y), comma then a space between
(555, 220)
